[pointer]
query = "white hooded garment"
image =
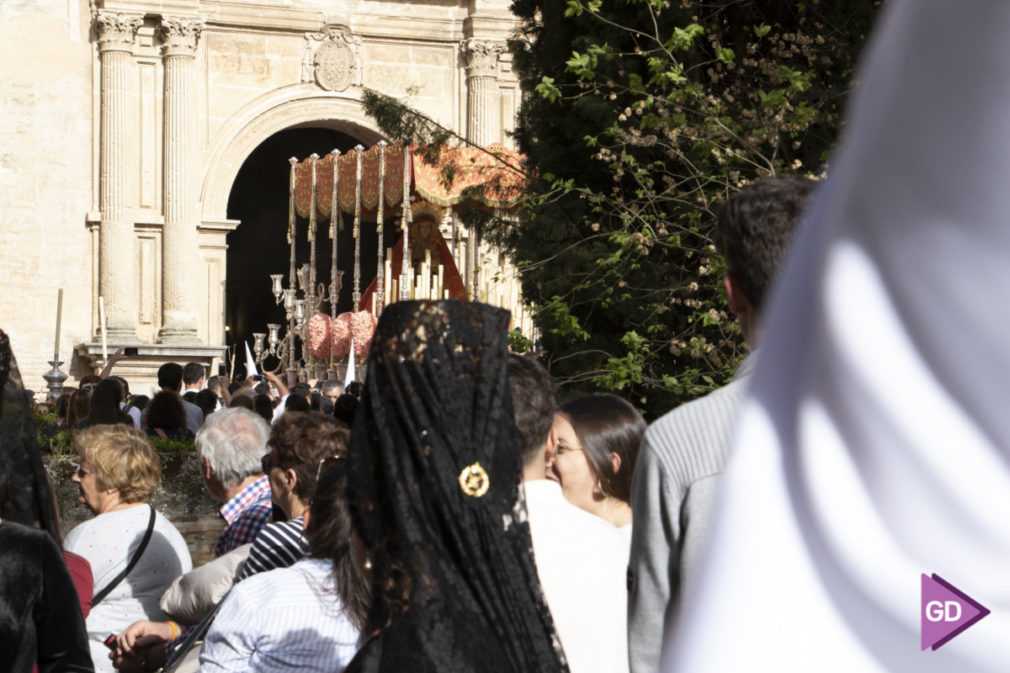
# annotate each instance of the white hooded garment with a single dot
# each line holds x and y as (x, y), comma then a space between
(875, 443)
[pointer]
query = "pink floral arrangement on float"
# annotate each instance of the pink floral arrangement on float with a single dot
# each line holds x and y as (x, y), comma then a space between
(357, 324)
(320, 336)
(327, 337)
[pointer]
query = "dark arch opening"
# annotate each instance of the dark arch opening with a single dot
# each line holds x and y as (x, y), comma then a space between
(259, 247)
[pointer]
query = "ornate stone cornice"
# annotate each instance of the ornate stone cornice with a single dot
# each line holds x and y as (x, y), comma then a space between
(482, 56)
(117, 30)
(179, 36)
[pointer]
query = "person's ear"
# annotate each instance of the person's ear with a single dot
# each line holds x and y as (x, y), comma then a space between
(550, 447)
(738, 303)
(552, 440)
(615, 462)
(205, 467)
(290, 479)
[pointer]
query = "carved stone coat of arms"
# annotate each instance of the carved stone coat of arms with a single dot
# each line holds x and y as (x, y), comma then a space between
(332, 58)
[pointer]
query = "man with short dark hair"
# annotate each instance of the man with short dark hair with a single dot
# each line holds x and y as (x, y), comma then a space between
(170, 377)
(684, 452)
(581, 559)
(192, 377)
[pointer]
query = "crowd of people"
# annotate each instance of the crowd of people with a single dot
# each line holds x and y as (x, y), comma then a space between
(474, 518)
(456, 516)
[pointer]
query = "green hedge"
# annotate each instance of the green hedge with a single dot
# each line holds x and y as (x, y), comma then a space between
(54, 441)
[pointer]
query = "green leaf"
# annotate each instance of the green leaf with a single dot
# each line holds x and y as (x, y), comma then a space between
(582, 65)
(547, 90)
(798, 80)
(762, 30)
(726, 55)
(683, 38)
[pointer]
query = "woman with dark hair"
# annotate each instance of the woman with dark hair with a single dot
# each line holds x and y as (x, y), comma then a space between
(308, 617)
(433, 485)
(78, 407)
(165, 417)
(105, 409)
(597, 444)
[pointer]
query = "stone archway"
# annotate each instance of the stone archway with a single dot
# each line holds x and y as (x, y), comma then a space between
(284, 108)
(290, 108)
(258, 247)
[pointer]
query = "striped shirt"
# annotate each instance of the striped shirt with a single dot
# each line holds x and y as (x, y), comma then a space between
(278, 545)
(245, 514)
(289, 619)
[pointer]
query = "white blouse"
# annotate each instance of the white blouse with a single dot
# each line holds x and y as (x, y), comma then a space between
(108, 542)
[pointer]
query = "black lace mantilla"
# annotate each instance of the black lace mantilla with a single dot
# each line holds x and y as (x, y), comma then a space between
(433, 485)
(24, 491)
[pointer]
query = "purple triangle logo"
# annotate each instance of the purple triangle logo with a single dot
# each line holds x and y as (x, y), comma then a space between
(946, 611)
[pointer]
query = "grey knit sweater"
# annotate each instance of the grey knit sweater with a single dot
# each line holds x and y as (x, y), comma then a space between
(672, 498)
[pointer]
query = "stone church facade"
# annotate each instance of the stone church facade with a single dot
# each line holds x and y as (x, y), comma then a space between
(126, 122)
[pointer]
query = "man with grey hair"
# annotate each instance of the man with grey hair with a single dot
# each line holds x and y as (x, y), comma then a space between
(329, 391)
(231, 445)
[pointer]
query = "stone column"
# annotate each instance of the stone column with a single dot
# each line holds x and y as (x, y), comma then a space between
(483, 122)
(180, 248)
(117, 254)
(483, 100)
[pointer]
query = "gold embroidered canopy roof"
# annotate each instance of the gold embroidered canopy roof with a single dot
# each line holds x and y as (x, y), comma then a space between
(489, 176)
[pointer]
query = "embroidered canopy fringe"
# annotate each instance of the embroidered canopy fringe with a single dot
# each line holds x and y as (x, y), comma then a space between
(491, 177)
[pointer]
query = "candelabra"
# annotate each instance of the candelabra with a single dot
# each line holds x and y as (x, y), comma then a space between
(271, 343)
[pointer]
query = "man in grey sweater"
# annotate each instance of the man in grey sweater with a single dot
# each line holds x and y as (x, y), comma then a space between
(683, 453)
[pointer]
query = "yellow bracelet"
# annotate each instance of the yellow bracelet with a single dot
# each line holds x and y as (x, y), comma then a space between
(175, 630)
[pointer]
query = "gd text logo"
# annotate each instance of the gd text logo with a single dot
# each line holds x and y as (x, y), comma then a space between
(946, 611)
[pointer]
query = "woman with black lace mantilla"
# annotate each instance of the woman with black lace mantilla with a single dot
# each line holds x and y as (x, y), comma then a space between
(433, 485)
(41, 623)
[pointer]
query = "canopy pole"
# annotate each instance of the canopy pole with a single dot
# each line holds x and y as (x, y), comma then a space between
(310, 294)
(379, 284)
(405, 264)
(292, 279)
(357, 231)
(334, 274)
